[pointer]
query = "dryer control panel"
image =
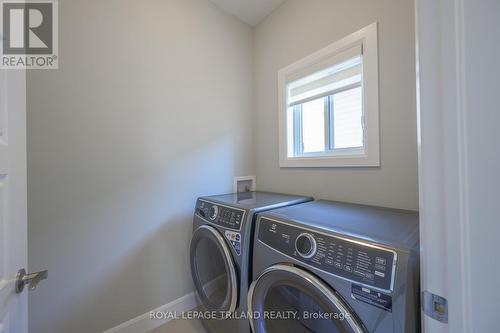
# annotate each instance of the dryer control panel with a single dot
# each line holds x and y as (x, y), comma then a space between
(353, 260)
(224, 216)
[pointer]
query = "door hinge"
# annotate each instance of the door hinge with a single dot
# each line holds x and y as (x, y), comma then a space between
(435, 306)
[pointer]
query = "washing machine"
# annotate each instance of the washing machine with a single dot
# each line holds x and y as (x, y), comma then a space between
(335, 267)
(220, 255)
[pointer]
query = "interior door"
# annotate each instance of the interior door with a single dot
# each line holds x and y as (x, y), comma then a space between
(13, 205)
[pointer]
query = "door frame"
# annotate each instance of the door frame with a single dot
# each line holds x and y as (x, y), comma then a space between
(442, 157)
(13, 185)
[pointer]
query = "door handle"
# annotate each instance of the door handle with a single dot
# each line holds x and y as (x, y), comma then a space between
(32, 279)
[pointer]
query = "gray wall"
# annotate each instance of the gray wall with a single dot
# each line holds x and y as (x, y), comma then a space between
(299, 28)
(151, 107)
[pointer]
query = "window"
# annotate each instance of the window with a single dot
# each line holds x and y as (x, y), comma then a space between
(329, 105)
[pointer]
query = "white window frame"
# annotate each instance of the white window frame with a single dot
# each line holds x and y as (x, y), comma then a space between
(369, 155)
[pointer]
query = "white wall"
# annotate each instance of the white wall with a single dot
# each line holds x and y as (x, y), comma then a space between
(151, 107)
(299, 28)
(482, 72)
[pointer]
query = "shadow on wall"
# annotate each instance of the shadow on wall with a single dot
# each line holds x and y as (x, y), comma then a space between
(142, 273)
(129, 247)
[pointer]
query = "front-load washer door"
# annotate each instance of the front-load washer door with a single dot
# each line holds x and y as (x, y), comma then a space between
(213, 271)
(289, 299)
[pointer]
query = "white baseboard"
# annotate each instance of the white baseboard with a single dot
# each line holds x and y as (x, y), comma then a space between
(143, 324)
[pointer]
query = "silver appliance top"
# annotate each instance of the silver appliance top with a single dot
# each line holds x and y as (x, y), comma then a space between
(391, 227)
(256, 201)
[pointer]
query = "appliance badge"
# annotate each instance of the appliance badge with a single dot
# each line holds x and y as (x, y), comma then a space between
(235, 239)
(372, 297)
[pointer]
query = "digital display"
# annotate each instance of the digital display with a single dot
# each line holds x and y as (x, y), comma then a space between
(226, 217)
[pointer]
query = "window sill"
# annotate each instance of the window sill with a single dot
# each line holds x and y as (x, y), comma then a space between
(337, 161)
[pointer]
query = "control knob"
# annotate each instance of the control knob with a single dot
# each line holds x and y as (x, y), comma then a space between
(212, 213)
(305, 244)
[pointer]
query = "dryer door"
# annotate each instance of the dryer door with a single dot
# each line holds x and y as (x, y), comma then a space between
(288, 299)
(213, 271)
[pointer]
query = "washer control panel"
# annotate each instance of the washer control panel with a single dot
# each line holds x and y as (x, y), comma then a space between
(224, 216)
(348, 259)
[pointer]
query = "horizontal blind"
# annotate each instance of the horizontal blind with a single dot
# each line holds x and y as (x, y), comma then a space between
(337, 73)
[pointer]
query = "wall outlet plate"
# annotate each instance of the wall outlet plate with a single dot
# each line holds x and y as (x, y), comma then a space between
(245, 184)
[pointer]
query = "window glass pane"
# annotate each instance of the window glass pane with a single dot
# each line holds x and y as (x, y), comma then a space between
(313, 126)
(347, 119)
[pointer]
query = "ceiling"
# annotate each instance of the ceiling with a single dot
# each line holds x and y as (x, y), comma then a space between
(251, 12)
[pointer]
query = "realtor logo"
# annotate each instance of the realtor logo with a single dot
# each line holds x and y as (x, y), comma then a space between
(29, 34)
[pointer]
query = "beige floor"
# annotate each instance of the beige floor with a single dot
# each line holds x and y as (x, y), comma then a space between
(180, 326)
